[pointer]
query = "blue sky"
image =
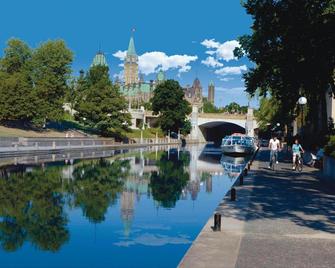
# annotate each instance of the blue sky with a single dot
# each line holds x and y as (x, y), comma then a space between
(186, 38)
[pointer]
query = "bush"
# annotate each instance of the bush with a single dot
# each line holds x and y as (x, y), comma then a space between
(330, 147)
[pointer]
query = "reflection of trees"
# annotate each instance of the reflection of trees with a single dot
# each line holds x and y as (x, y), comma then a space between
(96, 185)
(31, 208)
(167, 184)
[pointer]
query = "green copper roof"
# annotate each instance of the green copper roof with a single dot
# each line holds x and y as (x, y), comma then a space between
(160, 76)
(131, 48)
(135, 89)
(211, 83)
(99, 59)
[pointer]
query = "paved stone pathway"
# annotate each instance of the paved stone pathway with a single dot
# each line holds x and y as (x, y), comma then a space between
(280, 219)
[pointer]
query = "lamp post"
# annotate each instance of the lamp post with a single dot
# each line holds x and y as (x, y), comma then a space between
(302, 101)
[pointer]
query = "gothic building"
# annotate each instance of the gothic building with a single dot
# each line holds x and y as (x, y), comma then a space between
(193, 94)
(135, 89)
(211, 92)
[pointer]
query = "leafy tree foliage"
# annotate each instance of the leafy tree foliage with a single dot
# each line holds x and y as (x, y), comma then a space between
(209, 107)
(293, 48)
(33, 82)
(267, 113)
(168, 101)
(100, 103)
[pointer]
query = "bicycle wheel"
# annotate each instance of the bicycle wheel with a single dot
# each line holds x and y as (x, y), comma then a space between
(300, 165)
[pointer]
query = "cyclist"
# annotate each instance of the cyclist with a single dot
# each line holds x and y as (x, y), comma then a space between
(274, 146)
(296, 150)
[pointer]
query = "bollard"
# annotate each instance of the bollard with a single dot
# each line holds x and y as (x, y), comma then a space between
(233, 194)
(245, 172)
(241, 180)
(217, 222)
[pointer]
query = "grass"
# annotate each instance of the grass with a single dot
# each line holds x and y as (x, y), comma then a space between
(147, 133)
(16, 132)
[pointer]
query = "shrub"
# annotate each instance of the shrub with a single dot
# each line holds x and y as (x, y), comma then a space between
(330, 147)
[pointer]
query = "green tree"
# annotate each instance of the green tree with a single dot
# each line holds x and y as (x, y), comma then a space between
(101, 105)
(17, 99)
(168, 101)
(267, 113)
(293, 48)
(51, 69)
(209, 107)
(33, 83)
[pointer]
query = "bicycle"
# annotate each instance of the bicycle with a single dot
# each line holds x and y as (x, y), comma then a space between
(273, 161)
(298, 165)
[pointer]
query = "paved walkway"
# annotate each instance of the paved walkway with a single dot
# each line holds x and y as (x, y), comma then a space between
(280, 219)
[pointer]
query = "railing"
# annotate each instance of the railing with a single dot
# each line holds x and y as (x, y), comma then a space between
(43, 144)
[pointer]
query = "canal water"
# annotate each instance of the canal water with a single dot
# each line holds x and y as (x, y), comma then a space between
(139, 208)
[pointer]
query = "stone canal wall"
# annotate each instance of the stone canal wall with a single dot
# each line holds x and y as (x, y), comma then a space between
(19, 146)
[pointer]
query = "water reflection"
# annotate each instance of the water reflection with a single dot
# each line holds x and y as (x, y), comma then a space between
(32, 209)
(37, 202)
(168, 181)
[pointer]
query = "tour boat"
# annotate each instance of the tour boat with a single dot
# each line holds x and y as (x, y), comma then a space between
(239, 144)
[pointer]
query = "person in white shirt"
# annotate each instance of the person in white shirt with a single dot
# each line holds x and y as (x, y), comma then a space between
(274, 146)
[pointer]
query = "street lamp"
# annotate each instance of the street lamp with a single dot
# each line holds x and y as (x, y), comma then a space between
(302, 101)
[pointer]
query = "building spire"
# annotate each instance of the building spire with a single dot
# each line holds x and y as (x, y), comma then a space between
(131, 47)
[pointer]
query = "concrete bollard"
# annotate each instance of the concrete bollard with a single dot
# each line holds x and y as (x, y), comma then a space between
(217, 222)
(241, 180)
(233, 194)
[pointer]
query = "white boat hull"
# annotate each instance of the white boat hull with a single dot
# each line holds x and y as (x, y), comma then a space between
(237, 149)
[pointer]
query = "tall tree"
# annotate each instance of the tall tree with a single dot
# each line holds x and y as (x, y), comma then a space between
(101, 105)
(293, 48)
(33, 82)
(169, 102)
(51, 69)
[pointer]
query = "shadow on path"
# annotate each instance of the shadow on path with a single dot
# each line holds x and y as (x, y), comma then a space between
(299, 198)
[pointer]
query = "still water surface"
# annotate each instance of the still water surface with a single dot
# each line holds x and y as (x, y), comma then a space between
(140, 208)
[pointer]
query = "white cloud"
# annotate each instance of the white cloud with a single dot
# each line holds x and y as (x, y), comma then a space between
(210, 43)
(222, 51)
(150, 62)
(231, 70)
(120, 54)
(211, 62)
(226, 79)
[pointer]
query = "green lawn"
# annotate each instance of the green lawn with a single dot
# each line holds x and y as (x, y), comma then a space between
(147, 133)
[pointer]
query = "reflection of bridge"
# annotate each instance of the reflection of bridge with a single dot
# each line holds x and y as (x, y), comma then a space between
(214, 126)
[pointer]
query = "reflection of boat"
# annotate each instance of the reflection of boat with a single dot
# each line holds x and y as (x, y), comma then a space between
(233, 165)
(238, 144)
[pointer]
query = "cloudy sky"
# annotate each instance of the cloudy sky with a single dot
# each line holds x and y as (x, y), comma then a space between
(187, 39)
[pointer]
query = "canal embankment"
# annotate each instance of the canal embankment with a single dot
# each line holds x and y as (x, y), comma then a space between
(14, 146)
(280, 218)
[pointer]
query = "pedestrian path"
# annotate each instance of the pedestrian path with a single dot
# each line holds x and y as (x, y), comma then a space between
(281, 218)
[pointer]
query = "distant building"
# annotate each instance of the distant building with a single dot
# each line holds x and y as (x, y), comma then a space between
(99, 59)
(131, 65)
(134, 89)
(193, 94)
(211, 92)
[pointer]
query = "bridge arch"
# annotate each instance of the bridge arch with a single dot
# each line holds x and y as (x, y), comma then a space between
(214, 131)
